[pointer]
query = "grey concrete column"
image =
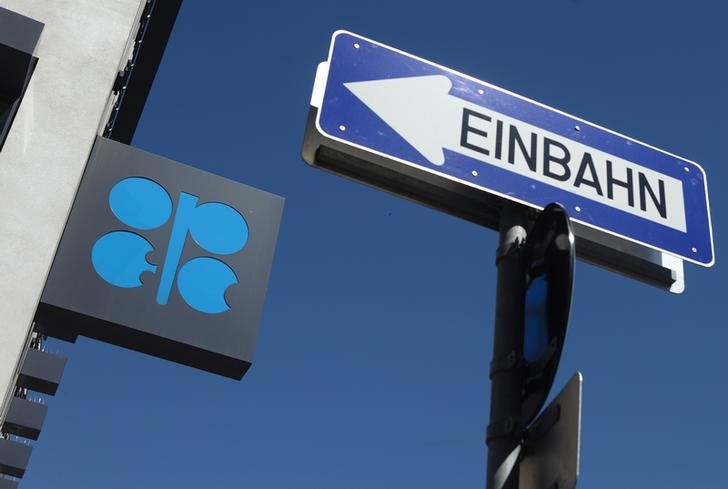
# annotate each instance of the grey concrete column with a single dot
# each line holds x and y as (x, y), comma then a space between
(83, 44)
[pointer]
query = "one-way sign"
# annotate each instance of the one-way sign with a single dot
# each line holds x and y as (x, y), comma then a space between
(428, 132)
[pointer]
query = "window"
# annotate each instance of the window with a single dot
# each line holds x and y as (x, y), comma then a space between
(19, 37)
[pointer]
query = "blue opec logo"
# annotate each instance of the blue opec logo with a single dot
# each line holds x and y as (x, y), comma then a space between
(120, 257)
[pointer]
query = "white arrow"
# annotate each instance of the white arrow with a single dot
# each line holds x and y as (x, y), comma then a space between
(424, 112)
(418, 108)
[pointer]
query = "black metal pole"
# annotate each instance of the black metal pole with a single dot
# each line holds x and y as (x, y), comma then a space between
(506, 370)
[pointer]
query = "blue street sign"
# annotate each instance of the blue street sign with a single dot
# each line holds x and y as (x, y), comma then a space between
(394, 107)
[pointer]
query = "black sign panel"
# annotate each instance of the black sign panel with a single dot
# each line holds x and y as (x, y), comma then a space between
(550, 456)
(164, 259)
(550, 249)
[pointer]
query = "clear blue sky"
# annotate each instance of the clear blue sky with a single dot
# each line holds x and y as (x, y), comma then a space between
(372, 363)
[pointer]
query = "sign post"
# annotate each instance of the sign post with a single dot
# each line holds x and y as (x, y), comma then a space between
(536, 255)
(442, 138)
(506, 372)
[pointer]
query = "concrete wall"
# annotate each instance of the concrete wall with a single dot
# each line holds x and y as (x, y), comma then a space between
(83, 44)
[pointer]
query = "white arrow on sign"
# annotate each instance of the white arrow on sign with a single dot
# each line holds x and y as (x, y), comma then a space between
(422, 111)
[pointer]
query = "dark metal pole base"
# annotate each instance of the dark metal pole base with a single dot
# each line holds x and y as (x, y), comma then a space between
(504, 431)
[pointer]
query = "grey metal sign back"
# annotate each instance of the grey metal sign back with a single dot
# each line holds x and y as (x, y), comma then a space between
(165, 259)
(550, 457)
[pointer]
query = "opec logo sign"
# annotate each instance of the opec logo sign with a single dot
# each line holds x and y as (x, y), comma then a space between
(119, 257)
(165, 259)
